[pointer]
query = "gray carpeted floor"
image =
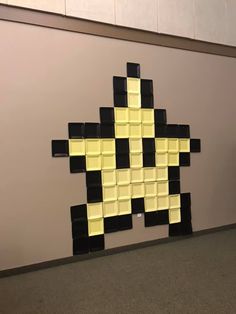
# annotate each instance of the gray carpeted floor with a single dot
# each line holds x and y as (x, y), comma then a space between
(195, 275)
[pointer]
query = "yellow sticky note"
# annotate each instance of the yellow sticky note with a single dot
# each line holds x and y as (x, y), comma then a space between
(95, 227)
(77, 147)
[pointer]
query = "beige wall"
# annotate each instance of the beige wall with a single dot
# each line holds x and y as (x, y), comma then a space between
(208, 20)
(49, 78)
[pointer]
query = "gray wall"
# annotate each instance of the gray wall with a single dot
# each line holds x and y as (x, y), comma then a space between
(50, 77)
(208, 20)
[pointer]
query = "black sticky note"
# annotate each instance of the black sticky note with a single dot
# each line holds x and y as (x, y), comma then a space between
(119, 85)
(106, 115)
(185, 214)
(184, 131)
(94, 194)
(107, 130)
(122, 161)
(185, 200)
(161, 130)
(80, 245)
(111, 224)
(160, 116)
(174, 187)
(93, 178)
(125, 222)
(147, 101)
(78, 212)
(186, 227)
(147, 87)
(162, 217)
(137, 205)
(149, 159)
(184, 159)
(133, 70)
(92, 130)
(79, 228)
(173, 173)
(172, 130)
(77, 164)
(122, 146)
(96, 243)
(180, 229)
(150, 219)
(195, 145)
(76, 130)
(120, 100)
(148, 145)
(60, 148)
(175, 229)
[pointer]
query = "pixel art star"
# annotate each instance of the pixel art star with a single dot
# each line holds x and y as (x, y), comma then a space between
(132, 161)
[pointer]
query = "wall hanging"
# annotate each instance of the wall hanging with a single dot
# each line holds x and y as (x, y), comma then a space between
(132, 161)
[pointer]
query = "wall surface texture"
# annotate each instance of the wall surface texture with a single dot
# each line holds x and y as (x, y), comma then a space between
(65, 77)
(207, 20)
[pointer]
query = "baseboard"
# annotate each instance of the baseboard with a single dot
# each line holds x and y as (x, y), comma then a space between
(77, 258)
